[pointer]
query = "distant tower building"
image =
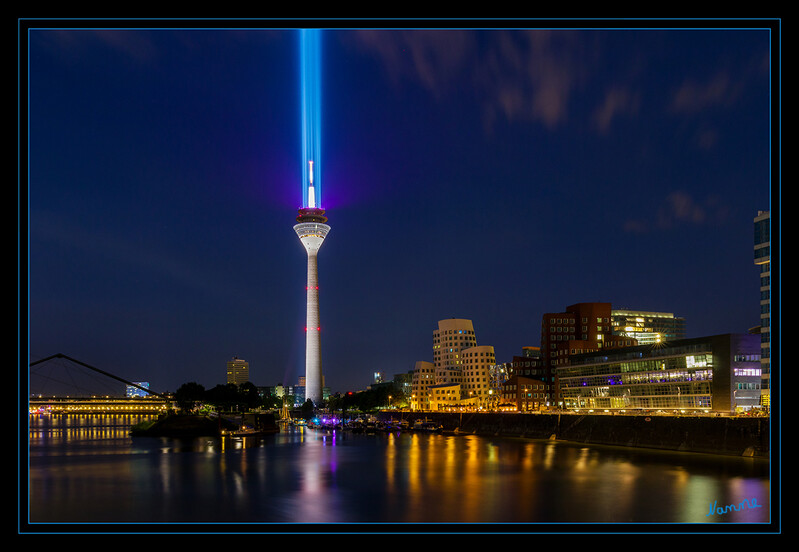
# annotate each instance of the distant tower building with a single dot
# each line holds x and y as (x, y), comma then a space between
(238, 371)
(763, 261)
(137, 390)
(647, 327)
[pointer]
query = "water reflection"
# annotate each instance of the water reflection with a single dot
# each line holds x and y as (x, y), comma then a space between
(81, 472)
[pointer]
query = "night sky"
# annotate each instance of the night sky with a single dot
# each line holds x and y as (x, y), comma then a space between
(491, 174)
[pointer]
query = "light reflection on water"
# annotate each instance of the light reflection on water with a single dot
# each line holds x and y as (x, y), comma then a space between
(91, 470)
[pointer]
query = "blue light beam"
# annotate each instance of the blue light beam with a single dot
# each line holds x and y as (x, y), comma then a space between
(310, 84)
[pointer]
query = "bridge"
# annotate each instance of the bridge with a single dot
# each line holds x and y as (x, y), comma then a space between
(97, 405)
(75, 397)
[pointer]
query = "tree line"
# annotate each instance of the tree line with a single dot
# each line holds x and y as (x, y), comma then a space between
(245, 397)
(224, 397)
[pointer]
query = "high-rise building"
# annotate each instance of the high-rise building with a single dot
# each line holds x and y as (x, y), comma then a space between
(452, 336)
(763, 262)
(582, 328)
(647, 327)
(238, 371)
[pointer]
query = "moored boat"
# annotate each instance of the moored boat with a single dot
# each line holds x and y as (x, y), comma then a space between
(397, 425)
(427, 425)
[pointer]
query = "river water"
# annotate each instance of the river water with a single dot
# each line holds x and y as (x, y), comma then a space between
(88, 470)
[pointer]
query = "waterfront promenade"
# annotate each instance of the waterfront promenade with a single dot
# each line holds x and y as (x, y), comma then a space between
(727, 435)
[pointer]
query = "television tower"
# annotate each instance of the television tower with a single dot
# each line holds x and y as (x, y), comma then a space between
(311, 227)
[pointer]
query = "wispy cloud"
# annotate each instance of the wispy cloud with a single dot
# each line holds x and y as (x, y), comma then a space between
(518, 75)
(531, 75)
(534, 76)
(433, 59)
(680, 209)
(692, 97)
(618, 101)
(699, 100)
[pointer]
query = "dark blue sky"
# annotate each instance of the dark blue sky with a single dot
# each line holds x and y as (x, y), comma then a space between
(493, 175)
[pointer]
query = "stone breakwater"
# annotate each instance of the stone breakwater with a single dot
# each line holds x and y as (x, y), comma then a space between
(704, 434)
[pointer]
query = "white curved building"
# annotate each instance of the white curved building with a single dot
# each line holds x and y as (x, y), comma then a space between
(476, 365)
(452, 336)
(422, 379)
(460, 374)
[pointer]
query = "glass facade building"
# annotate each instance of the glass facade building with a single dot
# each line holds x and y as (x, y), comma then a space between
(763, 262)
(647, 327)
(717, 373)
(138, 389)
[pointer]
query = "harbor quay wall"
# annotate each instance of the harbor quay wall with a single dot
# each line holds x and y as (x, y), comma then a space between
(728, 435)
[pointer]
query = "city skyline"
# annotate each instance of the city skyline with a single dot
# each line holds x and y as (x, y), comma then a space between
(489, 175)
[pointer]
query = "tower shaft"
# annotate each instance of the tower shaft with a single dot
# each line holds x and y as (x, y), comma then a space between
(313, 341)
(312, 230)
